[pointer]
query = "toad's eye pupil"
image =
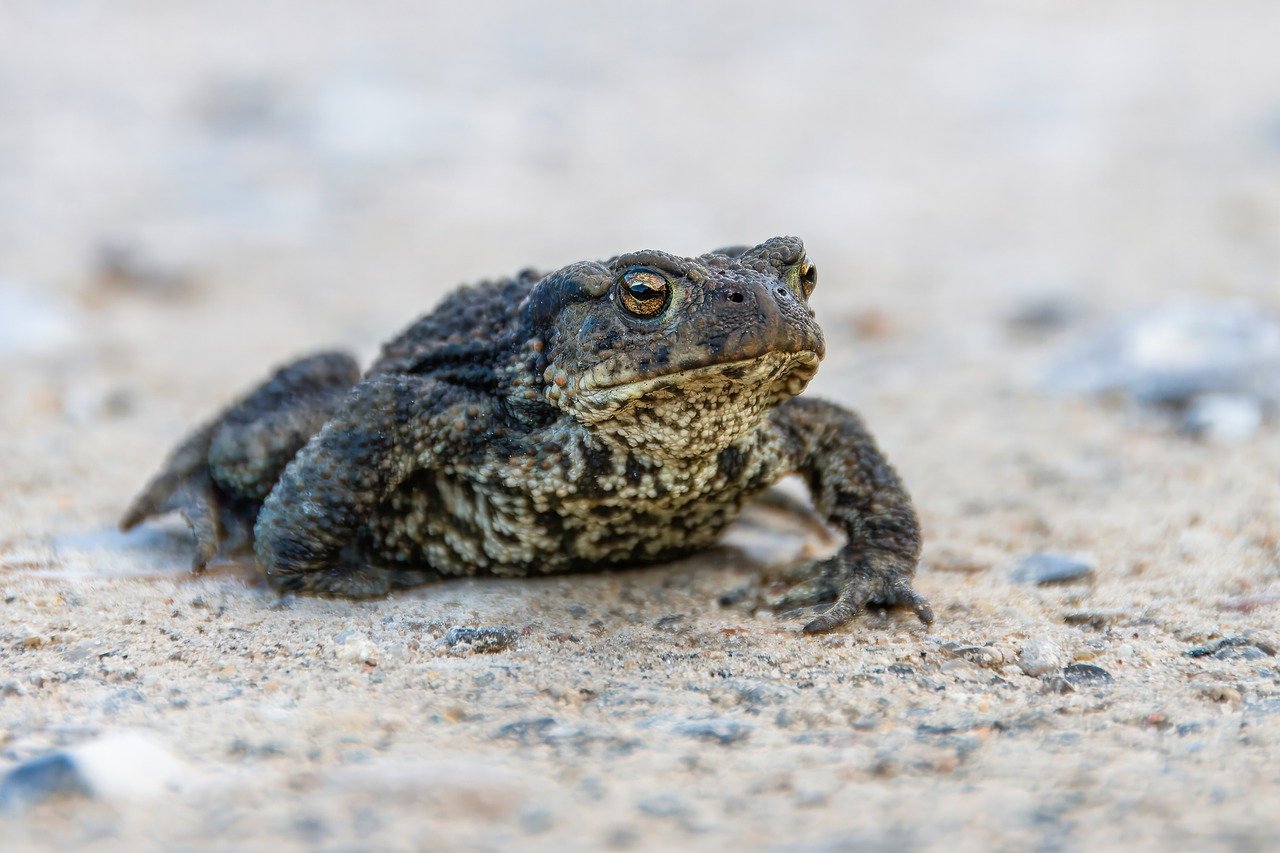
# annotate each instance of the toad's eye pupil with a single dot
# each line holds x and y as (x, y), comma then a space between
(640, 290)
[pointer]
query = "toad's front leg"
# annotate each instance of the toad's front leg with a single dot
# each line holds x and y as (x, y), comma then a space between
(388, 427)
(857, 491)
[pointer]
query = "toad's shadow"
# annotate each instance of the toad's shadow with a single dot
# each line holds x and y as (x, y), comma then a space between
(778, 529)
(157, 550)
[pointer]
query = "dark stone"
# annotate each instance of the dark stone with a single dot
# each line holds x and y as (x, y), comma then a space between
(525, 731)
(1096, 619)
(39, 779)
(1086, 675)
(1043, 315)
(482, 639)
(721, 731)
(1249, 652)
(756, 693)
(1233, 648)
(737, 595)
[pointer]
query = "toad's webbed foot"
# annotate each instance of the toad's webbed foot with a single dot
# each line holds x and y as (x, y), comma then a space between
(847, 585)
(184, 487)
(857, 491)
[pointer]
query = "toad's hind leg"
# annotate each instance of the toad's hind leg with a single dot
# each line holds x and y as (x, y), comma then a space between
(219, 476)
(315, 523)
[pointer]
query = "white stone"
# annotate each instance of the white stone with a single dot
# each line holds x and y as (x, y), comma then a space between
(1223, 418)
(1040, 657)
(357, 649)
(127, 766)
(31, 323)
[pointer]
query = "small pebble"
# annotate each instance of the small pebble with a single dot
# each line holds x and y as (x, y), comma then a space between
(986, 656)
(755, 693)
(357, 649)
(737, 595)
(622, 838)
(964, 669)
(1249, 652)
(721, 731)
(1046, 568)
(127, 266)
(1040, 657)
(311, 829)
(1233, 648)
(525, 731)
(40, 779)
(812, 798)
(1222, 418)
(1044, 314)
(536, 820)
(664, 805)
(485, 640)
(1086, 675)
(1097, 619)
(1222, 693)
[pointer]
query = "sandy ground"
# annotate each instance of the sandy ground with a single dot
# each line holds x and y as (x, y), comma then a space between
(190, 194)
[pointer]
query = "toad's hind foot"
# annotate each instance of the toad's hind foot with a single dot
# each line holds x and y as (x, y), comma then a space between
(848, 585)
(184, 487)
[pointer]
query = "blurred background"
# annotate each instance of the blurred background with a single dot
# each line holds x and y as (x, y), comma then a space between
(367, 155)
(191, 192)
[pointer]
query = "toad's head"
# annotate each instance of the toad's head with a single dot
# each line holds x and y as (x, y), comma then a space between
(676, 356)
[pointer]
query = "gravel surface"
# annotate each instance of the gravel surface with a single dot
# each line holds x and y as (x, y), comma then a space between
(190, 194)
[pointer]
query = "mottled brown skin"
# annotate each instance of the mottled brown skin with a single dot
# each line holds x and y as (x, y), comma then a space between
(614, 413)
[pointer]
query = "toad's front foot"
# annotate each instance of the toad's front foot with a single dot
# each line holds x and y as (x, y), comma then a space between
(849, 584)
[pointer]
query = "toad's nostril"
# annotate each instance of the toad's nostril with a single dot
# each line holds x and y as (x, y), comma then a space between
(781, 291)
(735, 297)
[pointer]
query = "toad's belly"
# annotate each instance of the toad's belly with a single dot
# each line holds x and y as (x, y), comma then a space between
(457, 526)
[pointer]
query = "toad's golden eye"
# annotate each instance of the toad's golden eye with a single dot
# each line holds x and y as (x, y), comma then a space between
(808, 278)
(802, 278)
(644, 292)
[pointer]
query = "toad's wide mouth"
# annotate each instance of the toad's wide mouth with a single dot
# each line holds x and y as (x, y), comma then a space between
(784, 373)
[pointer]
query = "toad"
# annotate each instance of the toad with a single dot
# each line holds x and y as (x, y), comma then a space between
(613, 413)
